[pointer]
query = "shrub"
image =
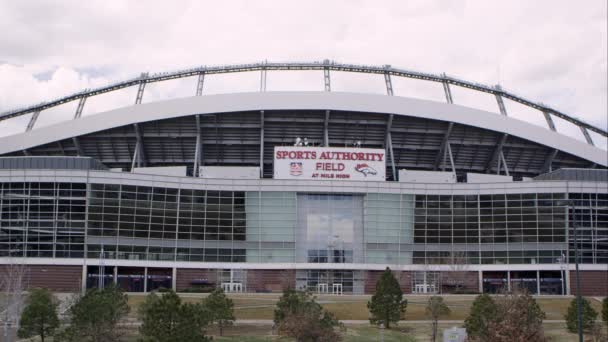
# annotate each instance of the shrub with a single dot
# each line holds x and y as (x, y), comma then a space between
(298, 315)
(518, 317)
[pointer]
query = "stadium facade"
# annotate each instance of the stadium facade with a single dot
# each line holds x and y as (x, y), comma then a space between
(321, 190)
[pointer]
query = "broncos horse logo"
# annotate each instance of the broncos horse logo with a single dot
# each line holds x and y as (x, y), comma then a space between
(365, 169)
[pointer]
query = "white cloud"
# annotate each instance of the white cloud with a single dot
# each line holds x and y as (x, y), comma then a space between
(549, 51)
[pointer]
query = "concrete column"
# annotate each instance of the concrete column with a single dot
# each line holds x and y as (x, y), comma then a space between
(538, 282)
(83, 285)
(115, 274)
(174, 279)
(480, 284)
(509, 281)
(567, 272)
(145, 279)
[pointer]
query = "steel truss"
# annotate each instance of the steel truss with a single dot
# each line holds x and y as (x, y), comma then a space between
(325, 66)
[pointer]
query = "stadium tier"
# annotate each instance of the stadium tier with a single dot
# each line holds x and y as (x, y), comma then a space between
(253, 192)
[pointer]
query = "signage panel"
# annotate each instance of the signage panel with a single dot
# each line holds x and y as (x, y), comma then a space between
(329, 163)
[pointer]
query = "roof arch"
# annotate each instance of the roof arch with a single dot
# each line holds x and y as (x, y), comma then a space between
(326, 66)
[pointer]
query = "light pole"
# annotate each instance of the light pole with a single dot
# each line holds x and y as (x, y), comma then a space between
(562, 271)
(579, 308)
(579, 312)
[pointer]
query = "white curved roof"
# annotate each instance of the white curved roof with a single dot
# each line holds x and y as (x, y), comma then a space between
(236, 102)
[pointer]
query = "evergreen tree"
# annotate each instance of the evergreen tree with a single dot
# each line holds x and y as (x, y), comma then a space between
(605, 313)
(39, 318)
(435, 308)
(387, 303)
(220, 308)
(482, 311)
(589, 315)
(95, 316)
(165, 318)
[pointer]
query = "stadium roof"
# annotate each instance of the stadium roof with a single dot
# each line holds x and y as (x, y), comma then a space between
(243, 128)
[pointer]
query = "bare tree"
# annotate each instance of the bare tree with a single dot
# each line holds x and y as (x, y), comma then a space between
(458, 267)
(12, 285)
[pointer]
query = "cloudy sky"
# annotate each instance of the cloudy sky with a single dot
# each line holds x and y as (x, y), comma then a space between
(554, 52)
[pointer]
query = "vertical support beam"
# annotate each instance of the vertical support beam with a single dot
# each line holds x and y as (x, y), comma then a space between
(262, 144)
(326, 79)
(498, 163)
(388, 81)
(263, 79)
(78, 147)
(326, 129)
(33, 120)
(547, 167)
(145, 279)
(174, 278)
(389, 146)
(480, 281)
(446, 89)
(140, 89)
(442, 148)
(80, 107)
(497, 151)
(134, 161)
(139, 147)
(198, 151)
(549, 121)
(140, 92)
(500, 101)
(200, 83)
(587, 135)
(504, 162)
(537, 282)
(83, 278)
(451, 159)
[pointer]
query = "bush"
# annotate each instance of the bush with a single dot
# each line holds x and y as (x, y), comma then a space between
(518, 317)
(588, 316)
(39, 318)
(198, 289)
(511, 317)
(482, 311)
(298, 315)
(165, 318)
(387, 303)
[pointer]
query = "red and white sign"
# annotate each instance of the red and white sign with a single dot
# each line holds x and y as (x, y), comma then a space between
(329, 163)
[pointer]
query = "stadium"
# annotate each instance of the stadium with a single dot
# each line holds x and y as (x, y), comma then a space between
(322, 190)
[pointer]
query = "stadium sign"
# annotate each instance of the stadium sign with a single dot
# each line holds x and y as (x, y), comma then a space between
(329, 163)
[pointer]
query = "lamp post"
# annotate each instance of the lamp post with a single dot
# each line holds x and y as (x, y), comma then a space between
(578, 278)
(579, 313)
